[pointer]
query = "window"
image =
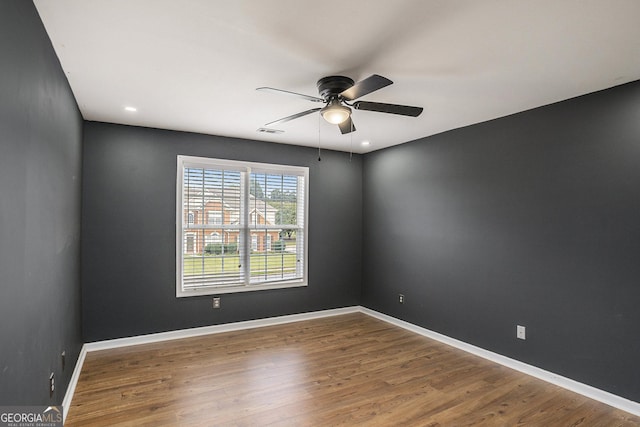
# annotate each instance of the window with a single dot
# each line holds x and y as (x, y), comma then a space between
(214, 237)
(189, 243)
(214, 217)
(255, 233)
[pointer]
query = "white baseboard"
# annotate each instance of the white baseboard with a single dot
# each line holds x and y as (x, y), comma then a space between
(216, 329)
(71, 388)
(564, 382)
(567, 383)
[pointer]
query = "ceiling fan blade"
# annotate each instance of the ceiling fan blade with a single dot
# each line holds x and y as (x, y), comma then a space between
(299, 95)
(347, 126)
(292, 117)
(403, 110)
(365, 87)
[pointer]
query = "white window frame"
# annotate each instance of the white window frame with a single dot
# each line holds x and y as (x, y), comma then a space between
(245, 227)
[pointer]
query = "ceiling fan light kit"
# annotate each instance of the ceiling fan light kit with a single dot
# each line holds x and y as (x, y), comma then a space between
(335, 113)
(335, 91)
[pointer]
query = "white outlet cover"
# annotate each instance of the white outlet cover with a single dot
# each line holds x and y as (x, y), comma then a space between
(521, 332)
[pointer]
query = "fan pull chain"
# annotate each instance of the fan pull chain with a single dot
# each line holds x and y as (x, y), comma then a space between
(351, 144)
(319, 124)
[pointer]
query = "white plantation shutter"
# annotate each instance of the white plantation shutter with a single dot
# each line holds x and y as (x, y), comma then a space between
(241, 226)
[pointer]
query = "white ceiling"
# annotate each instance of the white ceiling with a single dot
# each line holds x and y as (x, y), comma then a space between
(193, 65)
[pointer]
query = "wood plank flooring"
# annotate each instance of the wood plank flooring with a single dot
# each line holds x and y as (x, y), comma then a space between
(344, 370)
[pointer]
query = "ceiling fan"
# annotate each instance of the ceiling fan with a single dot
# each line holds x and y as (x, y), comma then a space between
(336, 92)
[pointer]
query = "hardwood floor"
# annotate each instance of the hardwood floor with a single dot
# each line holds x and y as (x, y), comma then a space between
(343, 370)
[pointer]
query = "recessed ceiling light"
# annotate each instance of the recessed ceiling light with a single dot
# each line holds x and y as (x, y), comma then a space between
(365, 143)
(131, 109)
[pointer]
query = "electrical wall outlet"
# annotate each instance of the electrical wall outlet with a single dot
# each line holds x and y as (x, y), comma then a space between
(521, 332)
(52, 384)
(216, 302)
(401, 298)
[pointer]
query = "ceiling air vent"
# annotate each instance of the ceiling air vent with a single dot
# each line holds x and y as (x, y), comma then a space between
(269, 130)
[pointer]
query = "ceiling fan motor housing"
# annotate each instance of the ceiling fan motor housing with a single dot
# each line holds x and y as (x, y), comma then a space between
(331, 86)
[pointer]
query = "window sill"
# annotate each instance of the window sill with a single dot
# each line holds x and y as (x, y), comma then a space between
(237, 289)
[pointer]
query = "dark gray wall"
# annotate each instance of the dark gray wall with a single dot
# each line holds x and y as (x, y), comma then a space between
(532, 219)
(128, 226)
(40, 154)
